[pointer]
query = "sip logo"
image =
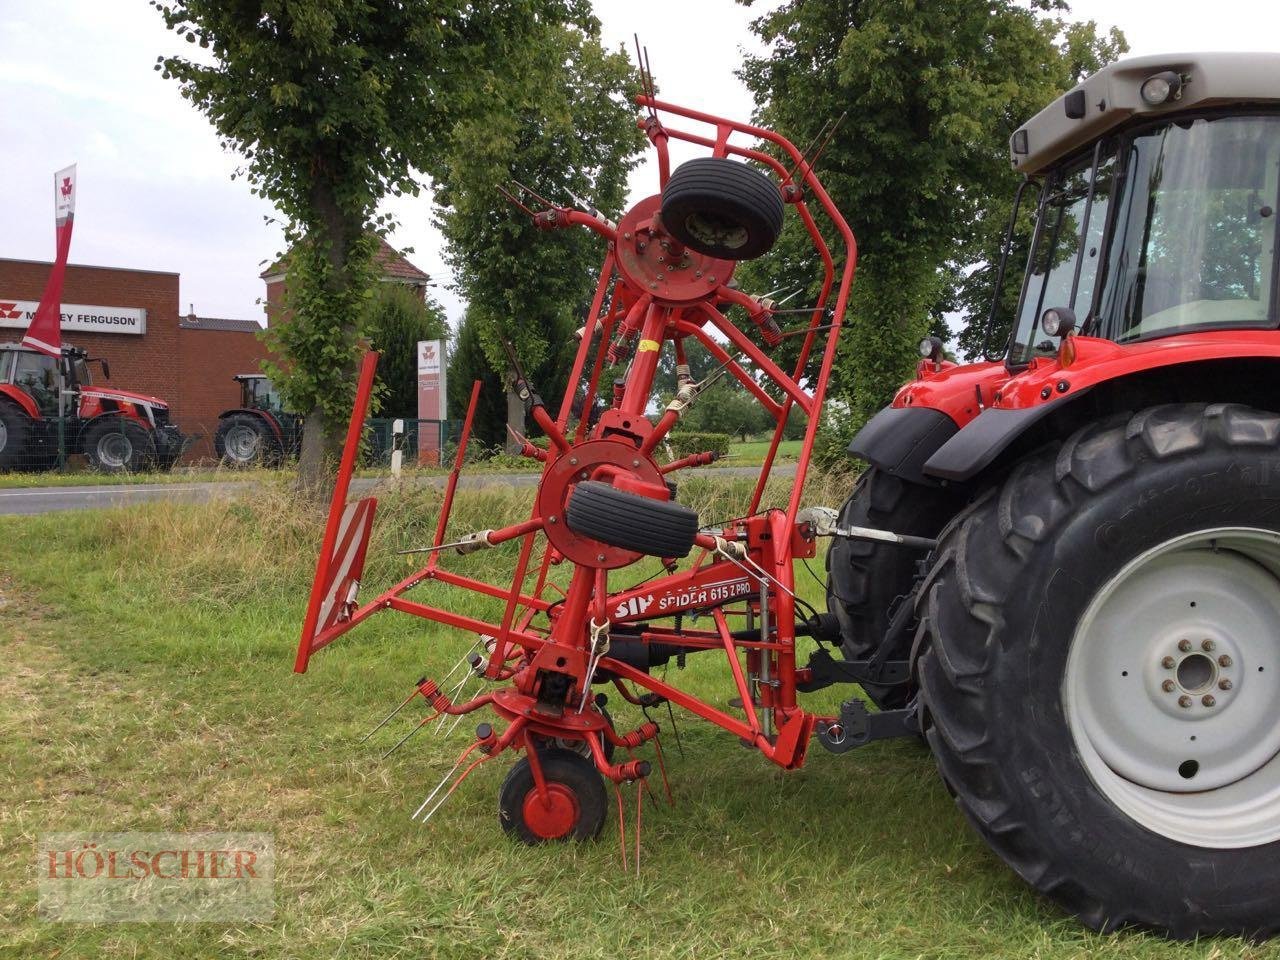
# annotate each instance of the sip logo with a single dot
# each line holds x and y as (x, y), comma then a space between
(10, 311)
(633, 607)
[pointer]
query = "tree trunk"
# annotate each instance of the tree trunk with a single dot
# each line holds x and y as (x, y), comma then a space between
(515, 419)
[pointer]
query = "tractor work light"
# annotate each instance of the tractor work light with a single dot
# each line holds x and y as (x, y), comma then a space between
(1161, 88)
(931, 349)
(1058, 321)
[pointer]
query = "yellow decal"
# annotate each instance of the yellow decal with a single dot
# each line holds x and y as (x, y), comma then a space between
(649, 345)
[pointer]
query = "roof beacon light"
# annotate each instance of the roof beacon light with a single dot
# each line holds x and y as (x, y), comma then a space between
(1161, 88)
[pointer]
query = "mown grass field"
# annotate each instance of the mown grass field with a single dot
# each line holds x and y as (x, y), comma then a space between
(147, 685)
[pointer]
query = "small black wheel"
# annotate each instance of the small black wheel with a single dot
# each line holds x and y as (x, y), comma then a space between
(722, 208)
(657, 528)
(244, 440)
(574, 810)
(118, 445)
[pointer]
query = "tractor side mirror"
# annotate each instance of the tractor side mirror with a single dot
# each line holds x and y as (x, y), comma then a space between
(106, 367)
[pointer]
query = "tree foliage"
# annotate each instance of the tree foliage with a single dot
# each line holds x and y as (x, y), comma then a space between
(933, 89)
(334, 104)
(396, 318)
(566, 130)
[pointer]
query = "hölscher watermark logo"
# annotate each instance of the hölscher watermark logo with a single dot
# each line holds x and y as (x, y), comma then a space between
(179, 877)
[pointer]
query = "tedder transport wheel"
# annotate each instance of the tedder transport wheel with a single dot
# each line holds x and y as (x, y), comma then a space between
(866, 578)
(722, 208)
(578, 804)
(658, 528)
(118, 445)
(1103, 670)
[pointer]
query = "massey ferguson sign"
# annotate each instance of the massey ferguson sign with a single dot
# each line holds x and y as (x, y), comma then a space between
(78, 317)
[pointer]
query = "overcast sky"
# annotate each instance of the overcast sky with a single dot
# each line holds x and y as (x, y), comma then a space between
(77, 85)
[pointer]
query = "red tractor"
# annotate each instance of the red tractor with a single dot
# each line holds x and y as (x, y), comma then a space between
(116, 430)
(260, 431)
(1062, 568)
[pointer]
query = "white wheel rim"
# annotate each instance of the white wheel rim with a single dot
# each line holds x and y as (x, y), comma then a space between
(4, 435)
(242, 443)
(1171, 686)
(115, 450)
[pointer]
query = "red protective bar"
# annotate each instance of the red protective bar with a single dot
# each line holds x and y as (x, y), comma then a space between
(580, 360)
(447, 505)
(734, 368)
(364, 389)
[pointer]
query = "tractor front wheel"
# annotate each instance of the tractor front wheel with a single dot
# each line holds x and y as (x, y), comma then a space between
(118, 445)
(574, 807)
(1103, 666)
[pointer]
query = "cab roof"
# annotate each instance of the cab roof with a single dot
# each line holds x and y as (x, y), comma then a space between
(1111, 97)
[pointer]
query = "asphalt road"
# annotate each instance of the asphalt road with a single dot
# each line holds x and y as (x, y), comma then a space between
(32, 500)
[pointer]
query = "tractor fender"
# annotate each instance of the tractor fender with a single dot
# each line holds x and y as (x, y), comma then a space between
(21, 398)
(899, 440)
(271, 421)
(1178, 368)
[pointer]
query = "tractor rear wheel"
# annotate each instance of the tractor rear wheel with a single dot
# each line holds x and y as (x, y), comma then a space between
(866, 578)
(243, 440)
(575, 808)
(16, 452)
(1102, 667)
(118, 445)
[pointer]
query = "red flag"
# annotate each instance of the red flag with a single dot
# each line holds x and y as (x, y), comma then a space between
(45, 332)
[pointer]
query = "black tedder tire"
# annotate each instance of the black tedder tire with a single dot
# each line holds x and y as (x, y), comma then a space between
(657, 528)
(245, 440)
(119, 445)
(16, 450)
(579, 803)
(1063, 616)
(865, 578)
(722, 208)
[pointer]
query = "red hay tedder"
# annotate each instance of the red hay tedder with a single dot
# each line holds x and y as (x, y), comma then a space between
(1062, 568)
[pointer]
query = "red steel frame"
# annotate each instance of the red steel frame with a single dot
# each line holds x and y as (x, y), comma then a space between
(747, 564)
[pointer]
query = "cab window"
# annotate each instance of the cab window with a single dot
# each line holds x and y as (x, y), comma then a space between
(38, 375)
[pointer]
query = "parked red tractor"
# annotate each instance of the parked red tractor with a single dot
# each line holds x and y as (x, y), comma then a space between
(116, 430)
(260, 431)
(1062, 567)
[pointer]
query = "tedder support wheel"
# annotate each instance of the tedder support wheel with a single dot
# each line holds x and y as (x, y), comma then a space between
(1103, 666)
(243, 440)
(574, 810)
(722, 208)
(118, 445)
(866, 578)
(658, 528)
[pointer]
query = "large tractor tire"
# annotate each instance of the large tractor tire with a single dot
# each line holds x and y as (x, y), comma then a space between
(722, 208)
(119, 445)
(866, 578)
(244, 440)
(16, 450)
(1103, 664)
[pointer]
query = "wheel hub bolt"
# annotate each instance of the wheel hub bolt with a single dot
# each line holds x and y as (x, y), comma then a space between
(1224, 684)
(1206, 645)
(1208, 700)
(1184, 646)
(1184, 701)
(1169, 686)
(1224, 661)
(1168, 663)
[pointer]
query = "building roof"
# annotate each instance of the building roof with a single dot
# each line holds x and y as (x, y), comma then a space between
(192, 322)
(392, 262)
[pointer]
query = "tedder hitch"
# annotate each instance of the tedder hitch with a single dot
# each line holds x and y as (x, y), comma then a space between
(606, 501)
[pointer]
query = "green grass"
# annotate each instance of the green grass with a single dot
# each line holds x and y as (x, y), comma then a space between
(752, 452)
(147, 686)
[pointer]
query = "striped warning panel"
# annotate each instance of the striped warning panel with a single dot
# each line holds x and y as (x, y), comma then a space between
(346, 565)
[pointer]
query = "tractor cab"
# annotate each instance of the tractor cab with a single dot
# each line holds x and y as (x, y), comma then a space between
(1163, 221)
(260, 431)
(257, 392)
(37, 374)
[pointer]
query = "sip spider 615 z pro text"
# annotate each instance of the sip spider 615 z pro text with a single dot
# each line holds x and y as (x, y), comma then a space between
(1062, 567)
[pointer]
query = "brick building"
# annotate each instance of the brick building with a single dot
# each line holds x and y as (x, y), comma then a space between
(390, 262)
(131, 318)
